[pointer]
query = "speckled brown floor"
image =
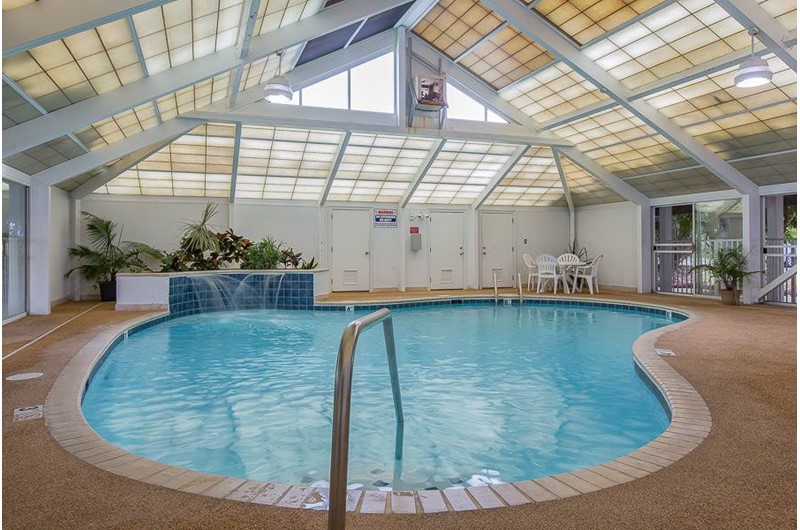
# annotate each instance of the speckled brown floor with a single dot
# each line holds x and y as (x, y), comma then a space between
(742, 360)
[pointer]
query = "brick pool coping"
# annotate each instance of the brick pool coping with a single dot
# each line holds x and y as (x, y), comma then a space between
(690, 424)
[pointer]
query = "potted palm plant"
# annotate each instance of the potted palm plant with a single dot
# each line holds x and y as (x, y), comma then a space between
(106, 255)
(729, 267)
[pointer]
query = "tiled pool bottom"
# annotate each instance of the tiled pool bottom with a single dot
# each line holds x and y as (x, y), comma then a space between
(675, 442)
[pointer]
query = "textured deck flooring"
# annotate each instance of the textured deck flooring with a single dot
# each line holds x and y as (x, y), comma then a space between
(742, 360)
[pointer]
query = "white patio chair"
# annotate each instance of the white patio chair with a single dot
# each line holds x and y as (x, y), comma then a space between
(588, 273)
(533, 272)
(547, 266)
(566, 263)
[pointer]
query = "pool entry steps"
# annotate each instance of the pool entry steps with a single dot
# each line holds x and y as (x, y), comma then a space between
(340, 434)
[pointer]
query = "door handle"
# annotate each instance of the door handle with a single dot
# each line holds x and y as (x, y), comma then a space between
(484, 253)
(366, 253)
(460, 253)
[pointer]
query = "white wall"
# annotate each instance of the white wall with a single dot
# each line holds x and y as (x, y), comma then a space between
(611, 230)
(296, 226)
(59, 244)
(538, 231)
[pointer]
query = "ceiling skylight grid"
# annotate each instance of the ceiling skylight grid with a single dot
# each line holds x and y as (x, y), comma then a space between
(533, 181)
(461, 171)
(45, 156)
(691, 180)
(118, 126)
(261, 71)
(683, 34)
(183, 30)
(507, 55)
(776, 169)
(587, 20)
(16, 109)
(78, 67)
(274, 14)
(555, 91)
(198, 164)
(276, 163)
(194, 97)
(453, 26)
(586, 190)
(378, 168)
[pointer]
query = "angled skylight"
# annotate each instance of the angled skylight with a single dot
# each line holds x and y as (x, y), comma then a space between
(280, 163)
(16, 109)
(378, 168)
(533, 181)
(45, 156)
(194, 97)
(117, 127)
(461, 171)
(460, 106)
(691, 180)
(584, 188)
(273, 14)
(455, 26)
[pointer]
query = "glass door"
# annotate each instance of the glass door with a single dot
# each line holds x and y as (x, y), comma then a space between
(780, 247)
(15, 249)
(718, 225)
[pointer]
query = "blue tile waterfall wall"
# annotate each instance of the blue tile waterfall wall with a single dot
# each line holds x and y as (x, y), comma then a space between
(203, 293)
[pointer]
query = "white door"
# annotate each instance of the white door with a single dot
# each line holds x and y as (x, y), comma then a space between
(350, 250)
(497, 249)
(447, 250)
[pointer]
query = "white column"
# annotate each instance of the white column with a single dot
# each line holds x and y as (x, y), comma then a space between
(774, 231)
(39, 250)
(75, 238)
(751, 245)
(645, 257)
(402, 223)
(401, 75)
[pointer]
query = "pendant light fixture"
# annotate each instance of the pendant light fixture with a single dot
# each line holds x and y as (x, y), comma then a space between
(278, 89)
(754, 71)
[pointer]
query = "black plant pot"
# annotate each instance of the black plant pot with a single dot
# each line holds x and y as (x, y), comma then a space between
(108, 291)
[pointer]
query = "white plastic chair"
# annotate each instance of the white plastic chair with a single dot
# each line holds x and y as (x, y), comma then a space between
(567, 262)
(533, 272)
(589, 274)
(547, 266)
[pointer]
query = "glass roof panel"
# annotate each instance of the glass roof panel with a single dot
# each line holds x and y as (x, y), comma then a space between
(683, 34)
(118, 126)
(194, 97)
(261, 71)
(587, 20)
(785, 11)
(183, 30)
(505, 57)
(273, 14)
(77, 67)
(453, 26)
(584, 189)
(45, 156)
(461, 171)
(533, 181)
(692, 180)
(555, 91)
(776, 169)
(15, 109)
(276, 163)
(198, 164)
(378, 168)
(73, 183)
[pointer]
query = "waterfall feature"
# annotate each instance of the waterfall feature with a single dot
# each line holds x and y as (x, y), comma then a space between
(235, 292)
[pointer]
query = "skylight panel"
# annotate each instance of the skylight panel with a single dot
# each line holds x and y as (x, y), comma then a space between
(784, 11)
(682, 35)
(16, 109)
(584, 21)
(273, 14)
(584, 189)
(533, 181)
(45, 156)
(118, 126)
(183, 30)
(461, 171)
(461, 106)
(505, 57)
(277, 163)
(329, 93)
(693, 180)
(194, 97)
(775, 169)
(66, 71)
(455, 26)
(554, 92)
(259, 72)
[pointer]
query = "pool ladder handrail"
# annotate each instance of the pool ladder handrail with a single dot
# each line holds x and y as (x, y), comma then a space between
(340, 434)
(494, 278)
(519, 284)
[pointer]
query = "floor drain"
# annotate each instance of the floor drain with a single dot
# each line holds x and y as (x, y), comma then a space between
(23, 377)
(28, 413)
(665, 352)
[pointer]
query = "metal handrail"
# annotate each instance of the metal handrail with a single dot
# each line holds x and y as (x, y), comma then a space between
(519, 284)
(494, 277)
(340, 435)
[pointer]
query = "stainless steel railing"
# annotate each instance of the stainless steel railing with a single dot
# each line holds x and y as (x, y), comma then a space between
(340, 436)
(494, 282)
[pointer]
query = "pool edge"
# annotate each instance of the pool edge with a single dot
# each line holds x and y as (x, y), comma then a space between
(690, 423)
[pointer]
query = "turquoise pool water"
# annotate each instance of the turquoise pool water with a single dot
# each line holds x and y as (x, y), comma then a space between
(491, 394)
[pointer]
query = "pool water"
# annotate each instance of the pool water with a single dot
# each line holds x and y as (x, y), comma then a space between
(491, 394)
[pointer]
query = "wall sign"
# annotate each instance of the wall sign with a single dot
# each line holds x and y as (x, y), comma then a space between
(414, 229)
(385, 217)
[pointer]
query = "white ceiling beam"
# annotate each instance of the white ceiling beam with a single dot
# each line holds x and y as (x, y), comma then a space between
(82, 164)
(246, 27)
(778, 189)
(427, 57)
(770, 32)
(567, 196)
(334, 168)
(73, 117)
(41, 22)
(689, 198)
(423, 170)
(16, 175)
(416, 13)
(603, 175)
(237, 143)
(277, 115)
(538, 29)
(117, 168)
(504, 170)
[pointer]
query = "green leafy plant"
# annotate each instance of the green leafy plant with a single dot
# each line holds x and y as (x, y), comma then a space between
(728, 266)
(266, 254)
(309, 264)
(290, 259)
(232, 248)
(107, 254)
(198, 236)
